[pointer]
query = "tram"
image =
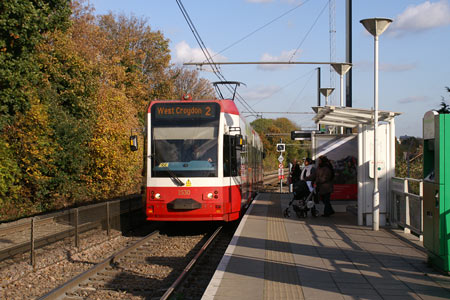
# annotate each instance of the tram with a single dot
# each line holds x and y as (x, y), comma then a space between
(203, 161)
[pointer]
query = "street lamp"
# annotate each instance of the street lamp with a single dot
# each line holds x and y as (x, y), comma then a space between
(326, 92)
(375, 27)
(341, 69)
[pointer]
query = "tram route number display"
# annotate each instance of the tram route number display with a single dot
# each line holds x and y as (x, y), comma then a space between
(183, 111)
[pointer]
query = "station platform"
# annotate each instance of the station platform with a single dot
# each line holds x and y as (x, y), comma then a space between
(274, 257)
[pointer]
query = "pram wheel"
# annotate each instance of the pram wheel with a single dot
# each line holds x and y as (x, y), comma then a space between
(287, 213)
(300, 212)
(314, 212)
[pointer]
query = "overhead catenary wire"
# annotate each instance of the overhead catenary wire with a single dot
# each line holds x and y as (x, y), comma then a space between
(207, 55)
(282, 112)
(309, 31)
(197, 37)
(301, 91)
(262, 27)
(283, 87)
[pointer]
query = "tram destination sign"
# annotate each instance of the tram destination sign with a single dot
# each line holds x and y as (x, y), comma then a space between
(163, 111)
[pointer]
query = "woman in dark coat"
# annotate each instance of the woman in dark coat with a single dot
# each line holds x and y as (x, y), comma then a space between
(295, 172)
(324, 184)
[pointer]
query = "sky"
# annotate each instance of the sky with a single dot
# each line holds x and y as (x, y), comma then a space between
(414, 52)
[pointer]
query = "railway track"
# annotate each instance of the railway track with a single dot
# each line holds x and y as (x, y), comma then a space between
(145, 269)
(56, 248)
(15, 238)
(192, 283)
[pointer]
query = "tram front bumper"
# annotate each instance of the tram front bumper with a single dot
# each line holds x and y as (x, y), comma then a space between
(184, 204)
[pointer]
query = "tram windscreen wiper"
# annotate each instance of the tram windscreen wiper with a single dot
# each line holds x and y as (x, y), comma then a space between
(175, 178)
(171, 174)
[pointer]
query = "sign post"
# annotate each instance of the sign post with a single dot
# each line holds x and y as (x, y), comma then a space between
(281, 148)
(281, 171)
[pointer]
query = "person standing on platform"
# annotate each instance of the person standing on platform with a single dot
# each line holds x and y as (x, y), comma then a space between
(324, 183)
(295, 171)
(308, 173)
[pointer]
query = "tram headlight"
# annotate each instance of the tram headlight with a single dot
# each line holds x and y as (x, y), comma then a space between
(210, 195)
(158, 196)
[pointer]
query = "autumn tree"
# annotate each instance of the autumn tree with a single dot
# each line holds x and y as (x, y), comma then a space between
(23, 23)
(72, 87)
(25, 137)
(68, 89)
(187, 81)
(143, 54)
(267, 127)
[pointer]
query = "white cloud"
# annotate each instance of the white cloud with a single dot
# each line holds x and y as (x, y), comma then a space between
(283, 57)
(184, 53)
(425, 16)
(413, 99)
(260, 93)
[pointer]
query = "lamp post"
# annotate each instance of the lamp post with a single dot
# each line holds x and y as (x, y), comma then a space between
(375, 26)
(341, 69)
(318, 92)
(326, 92)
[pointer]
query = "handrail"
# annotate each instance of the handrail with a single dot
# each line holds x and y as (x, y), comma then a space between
(403, 209)
(408, 178)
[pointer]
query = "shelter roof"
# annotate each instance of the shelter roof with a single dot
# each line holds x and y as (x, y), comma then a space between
(349, 116)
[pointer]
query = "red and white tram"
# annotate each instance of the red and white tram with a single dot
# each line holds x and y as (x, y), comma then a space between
(203, 161)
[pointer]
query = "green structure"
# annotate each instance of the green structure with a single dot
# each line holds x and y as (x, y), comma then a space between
(436, 184)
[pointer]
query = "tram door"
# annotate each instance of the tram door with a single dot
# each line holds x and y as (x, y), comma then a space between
(231, 170)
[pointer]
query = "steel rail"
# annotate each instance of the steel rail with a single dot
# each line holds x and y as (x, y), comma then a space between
(61, 291)
(190, 265)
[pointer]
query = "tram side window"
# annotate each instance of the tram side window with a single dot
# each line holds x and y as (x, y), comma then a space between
(230, 165)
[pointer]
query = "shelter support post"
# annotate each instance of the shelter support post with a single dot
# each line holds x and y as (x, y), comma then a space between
(360, 175)
(391, 171)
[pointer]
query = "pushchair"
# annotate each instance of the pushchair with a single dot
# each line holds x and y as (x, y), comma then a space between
(303, 201)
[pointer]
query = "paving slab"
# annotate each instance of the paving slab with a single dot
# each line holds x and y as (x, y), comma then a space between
(274, 257)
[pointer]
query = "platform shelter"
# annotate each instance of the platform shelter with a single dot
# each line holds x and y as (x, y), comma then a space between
(361, 123)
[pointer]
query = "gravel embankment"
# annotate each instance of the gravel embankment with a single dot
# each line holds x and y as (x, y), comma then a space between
(55, 264)
(61, 261)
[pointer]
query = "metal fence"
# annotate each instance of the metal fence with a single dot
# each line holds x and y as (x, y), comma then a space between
(68, 225)
(407, 205)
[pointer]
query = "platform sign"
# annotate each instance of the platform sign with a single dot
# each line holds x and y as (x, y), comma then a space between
(301, 135)
(281, 173)
(280, 158)
(380, 166)
(280, 166)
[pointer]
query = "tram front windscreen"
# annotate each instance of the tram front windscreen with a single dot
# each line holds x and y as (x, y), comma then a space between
(184, 139)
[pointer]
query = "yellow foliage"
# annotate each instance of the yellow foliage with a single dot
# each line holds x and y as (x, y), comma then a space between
(33, 146)
(114, 165)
